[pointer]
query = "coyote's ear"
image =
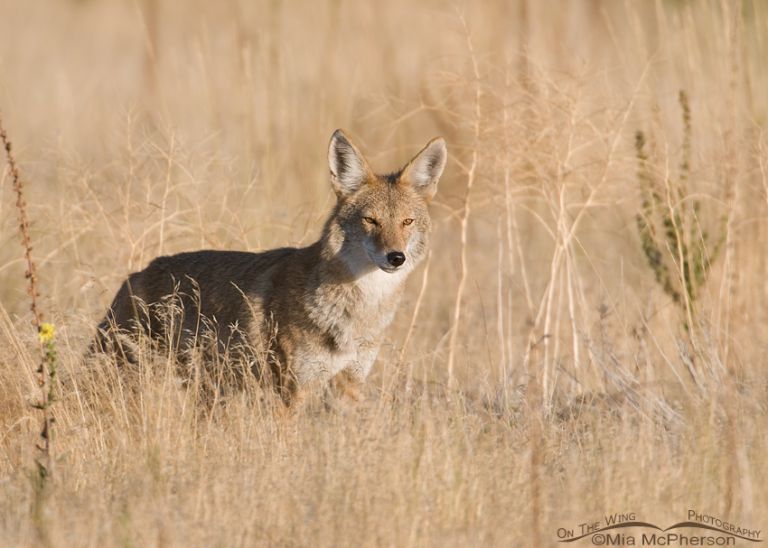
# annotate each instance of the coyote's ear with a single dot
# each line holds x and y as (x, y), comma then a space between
(348, 167)
(426, 167)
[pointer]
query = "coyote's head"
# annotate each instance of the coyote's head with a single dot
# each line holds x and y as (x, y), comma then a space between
(381, 220)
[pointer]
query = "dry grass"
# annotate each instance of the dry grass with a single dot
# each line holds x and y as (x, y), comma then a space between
(577, 385)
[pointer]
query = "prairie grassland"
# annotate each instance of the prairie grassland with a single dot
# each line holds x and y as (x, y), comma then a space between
(588, 336)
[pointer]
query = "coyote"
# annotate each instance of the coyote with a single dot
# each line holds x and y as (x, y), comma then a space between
(308, 315)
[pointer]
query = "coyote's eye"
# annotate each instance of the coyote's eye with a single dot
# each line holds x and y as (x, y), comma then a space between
(370, 221)
(407, 222)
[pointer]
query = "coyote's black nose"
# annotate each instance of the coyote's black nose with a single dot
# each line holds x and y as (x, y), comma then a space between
(396, 258)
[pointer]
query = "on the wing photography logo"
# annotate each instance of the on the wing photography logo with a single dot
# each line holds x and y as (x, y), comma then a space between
(699, 529)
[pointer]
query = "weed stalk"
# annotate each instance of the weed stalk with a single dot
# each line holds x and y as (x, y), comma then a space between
(46, 370)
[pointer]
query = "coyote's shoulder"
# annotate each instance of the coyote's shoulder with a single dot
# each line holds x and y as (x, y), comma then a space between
(307, 314)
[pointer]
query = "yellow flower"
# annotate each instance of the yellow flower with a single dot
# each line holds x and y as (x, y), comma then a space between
(46, 333)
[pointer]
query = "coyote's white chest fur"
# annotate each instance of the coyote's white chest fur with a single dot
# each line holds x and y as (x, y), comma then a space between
(355, 315)
(308, 314)
(378, 286)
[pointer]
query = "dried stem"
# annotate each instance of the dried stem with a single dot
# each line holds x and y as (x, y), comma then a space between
(471, 176)
(44, 372)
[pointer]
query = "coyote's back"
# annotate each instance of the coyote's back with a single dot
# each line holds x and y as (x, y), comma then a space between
(310, 314)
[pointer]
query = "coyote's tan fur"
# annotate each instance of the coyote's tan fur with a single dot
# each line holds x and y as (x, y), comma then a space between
(315, 313)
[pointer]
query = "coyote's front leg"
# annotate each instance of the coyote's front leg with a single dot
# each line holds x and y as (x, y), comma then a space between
(346, 387)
